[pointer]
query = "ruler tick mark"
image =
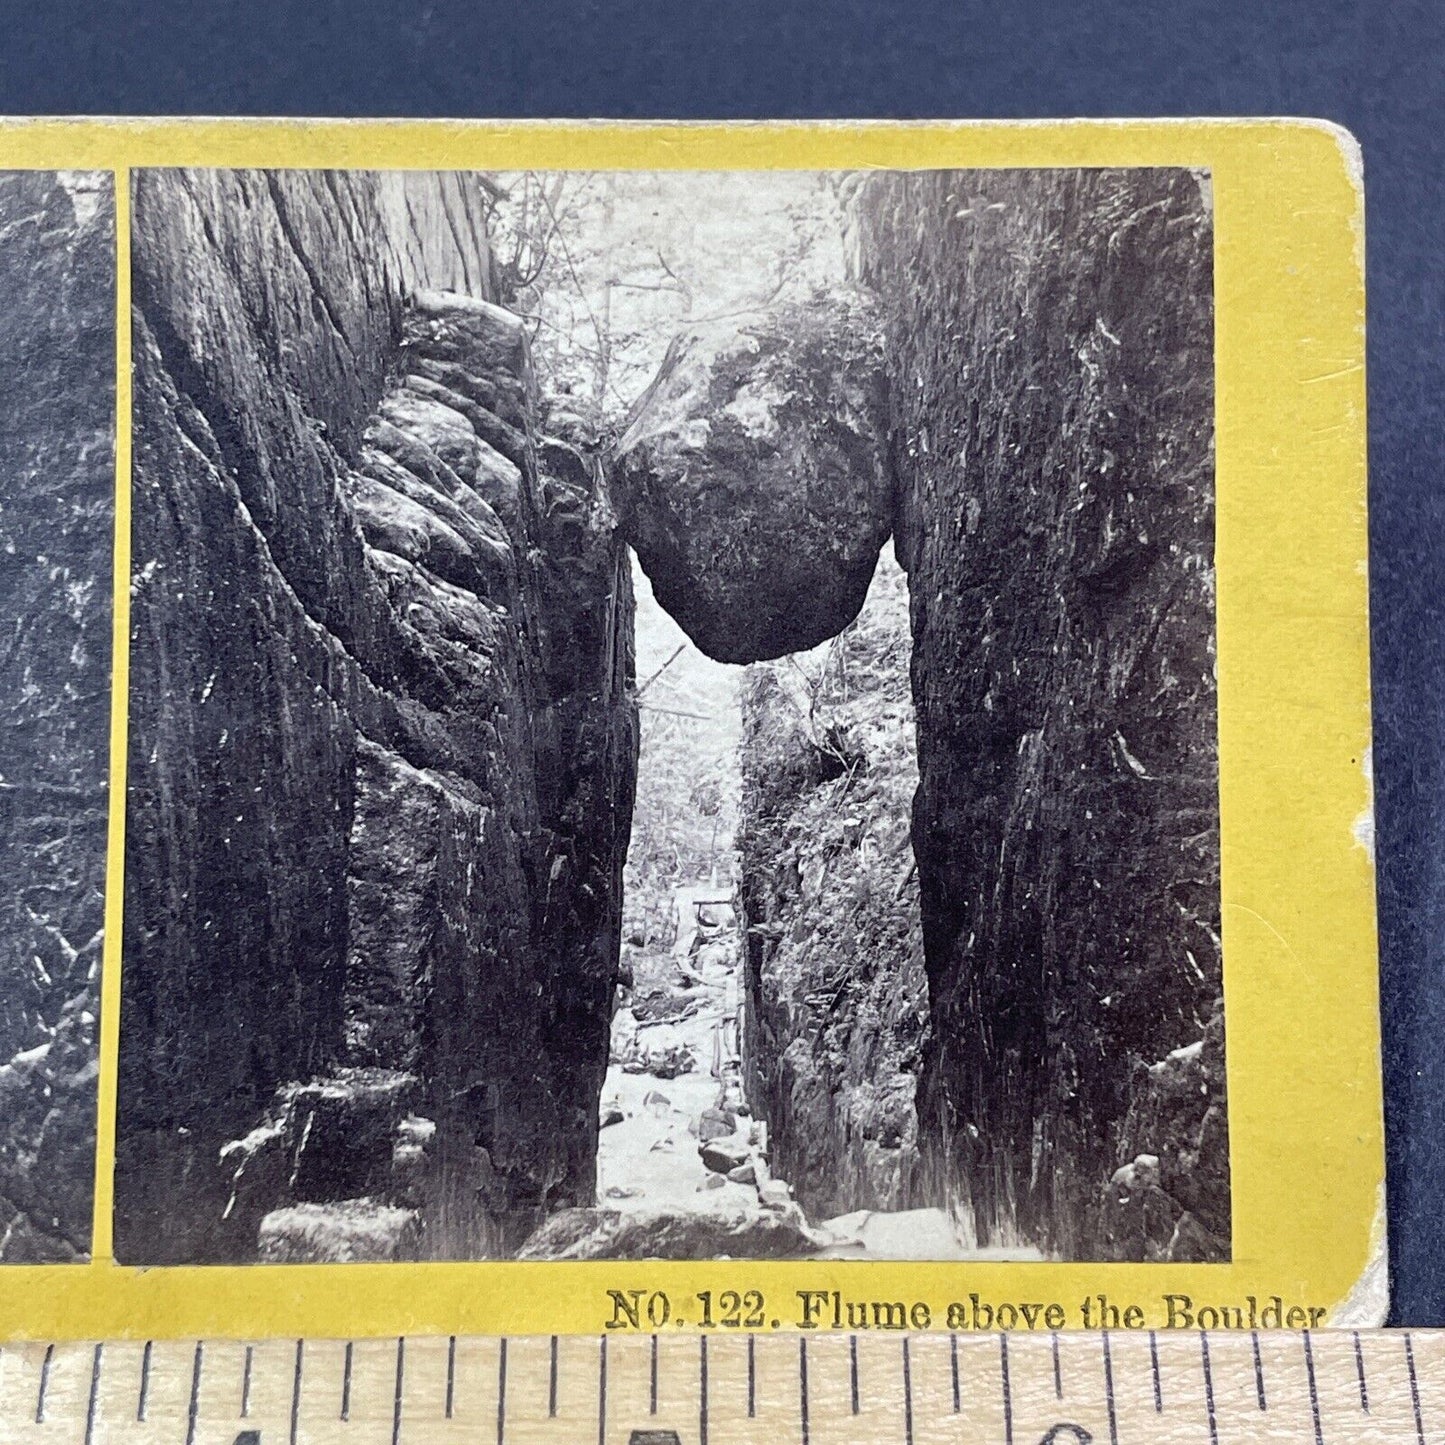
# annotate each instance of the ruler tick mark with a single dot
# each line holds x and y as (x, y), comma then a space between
(1108, 1391)
(246, 1384)
(94, 1394)
(452, 1375)
(702, 1389)
(145, 1381)
(1258, 1371)
(346, 1383)
(1414, 1390)
(502, 1388)
(1058, 1373)
(853, 1369)
(803, 1387)
(193, 1408)
(602, 1391)
(1314, 1389)
(551, 1382)
(752, 1377)
(1208, 1387)
(652, 1390)
(296, 1390)
(907, 1395)
(953, 1366)
(1008, 1398)
(1360, 1373)
(44, 1384)
(396, 1399)
(1154, 1366)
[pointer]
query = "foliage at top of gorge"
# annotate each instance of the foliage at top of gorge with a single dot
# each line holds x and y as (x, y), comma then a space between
(607, 266)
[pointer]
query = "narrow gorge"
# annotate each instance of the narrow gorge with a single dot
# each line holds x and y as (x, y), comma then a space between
(940, 970)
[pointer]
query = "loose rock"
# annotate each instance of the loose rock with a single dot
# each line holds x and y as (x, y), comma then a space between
(775, 1194)
(715, 1124)
(351, 1231)
(668, 1234)
(723, 1155)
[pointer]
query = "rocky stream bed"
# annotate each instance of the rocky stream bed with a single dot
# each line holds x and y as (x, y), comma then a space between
(682, 1163)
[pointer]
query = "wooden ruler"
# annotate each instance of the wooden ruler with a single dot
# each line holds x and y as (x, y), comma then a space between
(1118, 1388)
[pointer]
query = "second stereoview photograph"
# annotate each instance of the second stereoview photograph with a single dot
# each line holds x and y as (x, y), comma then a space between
(57, 519)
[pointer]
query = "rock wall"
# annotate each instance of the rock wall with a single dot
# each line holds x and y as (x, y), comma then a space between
(1046, 468)
(836, 1009)
(382, 744)
(57, 470)
(1050, 339)
(1170, 1199)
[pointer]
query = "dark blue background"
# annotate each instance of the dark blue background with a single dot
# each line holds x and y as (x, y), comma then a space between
(1375, 67)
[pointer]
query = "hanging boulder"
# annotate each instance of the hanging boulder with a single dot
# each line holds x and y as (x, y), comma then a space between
(753, 476)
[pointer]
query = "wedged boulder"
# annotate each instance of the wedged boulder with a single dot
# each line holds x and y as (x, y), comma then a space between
(668, 1234)
(753, 476)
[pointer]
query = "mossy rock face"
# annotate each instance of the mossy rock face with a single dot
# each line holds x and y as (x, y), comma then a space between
(837, 998)
(753, 476)
(382, 633)
(1050, 338)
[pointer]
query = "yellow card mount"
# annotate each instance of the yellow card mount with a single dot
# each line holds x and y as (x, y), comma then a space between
(672, 729)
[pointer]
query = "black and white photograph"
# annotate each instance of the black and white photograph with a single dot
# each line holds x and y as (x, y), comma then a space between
(672, 715)
(57, 518)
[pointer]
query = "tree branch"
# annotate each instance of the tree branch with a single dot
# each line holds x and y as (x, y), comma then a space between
(678, 651)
